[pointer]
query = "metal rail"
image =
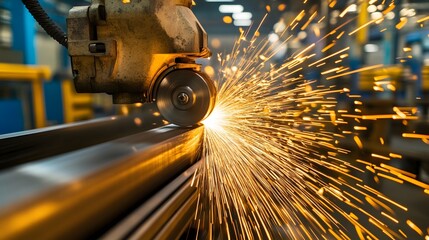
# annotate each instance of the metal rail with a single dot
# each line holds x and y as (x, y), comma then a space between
(166, 215)
(81, 194)
(22, 147)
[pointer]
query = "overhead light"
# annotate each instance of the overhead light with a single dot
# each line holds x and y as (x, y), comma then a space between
(242, 15)
(404, 12)
(231, 8)
(390, 15)
(219, 0)
(371, 48)
(272, 37)
(372, 8)
(279, 27)
(376, 15)
(243, 23)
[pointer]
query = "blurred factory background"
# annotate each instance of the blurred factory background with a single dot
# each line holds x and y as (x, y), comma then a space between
(36, 86)
(42, 95)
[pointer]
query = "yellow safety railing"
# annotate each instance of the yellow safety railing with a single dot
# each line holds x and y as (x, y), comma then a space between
(76, 106)
(425, 78)
(389, 73)
(35, 75)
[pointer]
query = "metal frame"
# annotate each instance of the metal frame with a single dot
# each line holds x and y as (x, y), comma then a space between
(35, 76)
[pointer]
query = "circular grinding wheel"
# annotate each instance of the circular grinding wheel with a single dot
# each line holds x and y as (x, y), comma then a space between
(185, 97)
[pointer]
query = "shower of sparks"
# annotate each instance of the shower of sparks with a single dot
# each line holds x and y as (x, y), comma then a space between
(274, 166)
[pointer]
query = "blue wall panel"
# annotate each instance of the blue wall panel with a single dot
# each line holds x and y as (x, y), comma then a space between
(54, 102)
(11, 116)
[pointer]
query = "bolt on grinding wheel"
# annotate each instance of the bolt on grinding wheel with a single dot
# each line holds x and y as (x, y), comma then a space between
(185, 97)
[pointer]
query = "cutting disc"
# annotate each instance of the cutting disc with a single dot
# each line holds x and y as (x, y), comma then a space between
(185, 97)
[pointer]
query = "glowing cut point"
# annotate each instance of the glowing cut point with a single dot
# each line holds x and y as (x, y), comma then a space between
(216, 119)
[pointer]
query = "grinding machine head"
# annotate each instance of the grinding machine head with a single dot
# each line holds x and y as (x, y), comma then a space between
(142, 51)
(186, 97)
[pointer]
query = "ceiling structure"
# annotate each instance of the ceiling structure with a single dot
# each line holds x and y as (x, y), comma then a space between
(212, 19)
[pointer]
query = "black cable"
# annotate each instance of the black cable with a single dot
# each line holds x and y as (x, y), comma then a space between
(46, 22)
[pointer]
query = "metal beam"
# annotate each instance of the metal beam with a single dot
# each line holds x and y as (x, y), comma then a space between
(158, 217)
(79, 193)
(23, 147)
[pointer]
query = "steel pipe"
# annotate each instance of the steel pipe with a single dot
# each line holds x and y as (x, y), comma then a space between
(73, 196)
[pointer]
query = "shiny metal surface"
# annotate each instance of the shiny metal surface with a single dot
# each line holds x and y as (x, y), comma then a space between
(74, 195)
(141, 220)
(186, 97)
(22, 147)
(180, 221)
